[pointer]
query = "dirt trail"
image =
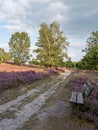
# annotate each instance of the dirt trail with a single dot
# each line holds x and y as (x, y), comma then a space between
(23, 112)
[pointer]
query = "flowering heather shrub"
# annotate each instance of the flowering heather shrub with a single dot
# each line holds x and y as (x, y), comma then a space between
(13, 79)
(89, 110)
(89, 116)
(77, 84)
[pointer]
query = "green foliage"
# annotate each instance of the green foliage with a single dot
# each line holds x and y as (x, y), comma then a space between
(90, 60)
(0, 59)
(69, 63)
(52, 45)
(7, 57)
(4, 56)
(34, 61)
(2, 52)
(19, 45)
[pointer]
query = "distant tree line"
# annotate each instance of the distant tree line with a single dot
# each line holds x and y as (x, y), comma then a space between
(90, 60)
(51, 49)
(4, 56)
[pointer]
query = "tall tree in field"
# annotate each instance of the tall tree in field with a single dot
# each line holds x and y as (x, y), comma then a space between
(51, 45)
(19, 45)
(60, 44)
(44, 45)
(90, 60)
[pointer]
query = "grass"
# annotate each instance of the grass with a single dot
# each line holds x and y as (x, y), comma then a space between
(66, 123)
(12, 67)
(29, 124)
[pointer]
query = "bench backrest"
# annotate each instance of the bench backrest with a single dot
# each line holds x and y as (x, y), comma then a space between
(87, 89)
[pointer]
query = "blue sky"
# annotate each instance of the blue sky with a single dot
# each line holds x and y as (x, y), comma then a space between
(77, 19)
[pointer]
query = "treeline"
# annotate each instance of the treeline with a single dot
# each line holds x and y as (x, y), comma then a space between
(90, 60)
(51, 49)
(4, 56)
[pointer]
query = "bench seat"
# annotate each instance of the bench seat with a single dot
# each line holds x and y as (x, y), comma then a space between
(76, 97)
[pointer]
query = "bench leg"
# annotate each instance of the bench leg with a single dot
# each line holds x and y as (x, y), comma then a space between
(75, 108)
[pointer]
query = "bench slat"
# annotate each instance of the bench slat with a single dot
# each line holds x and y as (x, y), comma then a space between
(88, 87)
(73, 97)
(79, 98)
(76, 97)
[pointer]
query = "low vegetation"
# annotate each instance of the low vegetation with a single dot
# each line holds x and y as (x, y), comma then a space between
(89, 110)
(12, 79)
(51, 52)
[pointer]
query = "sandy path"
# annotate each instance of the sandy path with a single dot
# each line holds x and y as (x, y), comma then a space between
(29, 109)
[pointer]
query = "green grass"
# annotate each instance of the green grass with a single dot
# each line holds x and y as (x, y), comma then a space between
(33, 121)
(66, 123)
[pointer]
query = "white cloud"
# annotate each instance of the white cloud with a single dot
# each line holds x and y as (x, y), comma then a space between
(75, 56)
(72, 55)
(58, 18)
(24, 15)
(14, 14)
(5, 46)
(78, 45)
(58, 6)
(77, 18)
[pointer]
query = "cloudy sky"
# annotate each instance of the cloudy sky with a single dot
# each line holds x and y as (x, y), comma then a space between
(77, 19)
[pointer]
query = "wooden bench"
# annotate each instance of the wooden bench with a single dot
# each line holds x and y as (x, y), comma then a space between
(76, 98)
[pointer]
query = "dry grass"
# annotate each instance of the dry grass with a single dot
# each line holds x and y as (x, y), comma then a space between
(4, 67)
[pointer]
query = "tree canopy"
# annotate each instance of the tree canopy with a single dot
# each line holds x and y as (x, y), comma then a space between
(51, 46)
(19, 45)
(4, 56)
(2, 52)
(90, 60)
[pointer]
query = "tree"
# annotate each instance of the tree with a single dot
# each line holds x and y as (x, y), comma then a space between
(7, 57)
(92, 41)
(19, 45)
(34, 61)
(52, 45)
(90, 60)
(69, 63)
(2, 53)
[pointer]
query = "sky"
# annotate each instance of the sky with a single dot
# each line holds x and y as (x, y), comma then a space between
(77, 19)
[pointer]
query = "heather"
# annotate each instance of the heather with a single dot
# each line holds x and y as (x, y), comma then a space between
(10, 79)
(89, 110)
